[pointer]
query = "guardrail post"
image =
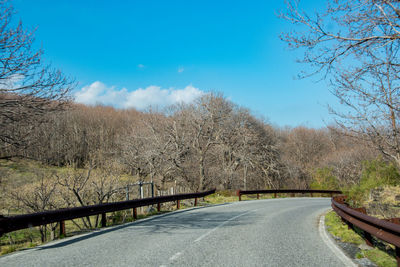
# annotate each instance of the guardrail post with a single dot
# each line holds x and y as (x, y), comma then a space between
(362, 210)
(311, 195)
(178, 204)
(158, 207)
(1, 230)
(350, 226)
(239, 195)
(134, 213)
(368, 239)
(275, 195)
(258, 196)
(62, 228)
(103, 220)
(292, 195)
(195, 201)
(341, 199)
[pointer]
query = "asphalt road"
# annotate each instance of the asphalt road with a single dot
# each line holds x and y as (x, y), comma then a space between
(275, 232)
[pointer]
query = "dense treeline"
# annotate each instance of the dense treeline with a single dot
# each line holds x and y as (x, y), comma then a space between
(209, 143)
(96, 151)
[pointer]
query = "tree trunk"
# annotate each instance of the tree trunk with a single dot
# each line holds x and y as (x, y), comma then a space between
(245, 177)
(202, 174)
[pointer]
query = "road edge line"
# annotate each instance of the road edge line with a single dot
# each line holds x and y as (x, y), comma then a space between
(332, 245)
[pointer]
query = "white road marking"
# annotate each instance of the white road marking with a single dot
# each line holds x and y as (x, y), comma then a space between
(328, 241)
(174, 257)
(222, 224)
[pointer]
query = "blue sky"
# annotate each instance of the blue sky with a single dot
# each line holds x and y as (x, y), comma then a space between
(135, 53)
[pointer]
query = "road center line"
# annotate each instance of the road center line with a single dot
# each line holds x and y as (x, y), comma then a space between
(222, 224)
(174, 257)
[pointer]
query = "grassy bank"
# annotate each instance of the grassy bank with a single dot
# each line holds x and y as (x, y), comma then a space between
(380, 256)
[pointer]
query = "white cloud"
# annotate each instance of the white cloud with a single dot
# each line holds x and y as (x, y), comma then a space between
(99, 93)
(140, 66)
(11, 82)
(180, 69)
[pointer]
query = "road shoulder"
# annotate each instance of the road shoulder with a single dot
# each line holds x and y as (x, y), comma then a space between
(328, 240)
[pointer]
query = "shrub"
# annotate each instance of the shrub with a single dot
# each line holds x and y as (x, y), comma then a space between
(376, 173)
(324, 179)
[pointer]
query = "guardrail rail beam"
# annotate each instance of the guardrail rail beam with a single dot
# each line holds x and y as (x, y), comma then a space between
(385, 230)
(292, 192)
(13, 223)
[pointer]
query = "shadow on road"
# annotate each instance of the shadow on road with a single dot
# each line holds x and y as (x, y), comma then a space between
(171, 223)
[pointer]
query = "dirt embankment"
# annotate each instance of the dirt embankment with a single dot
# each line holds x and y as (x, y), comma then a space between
(384, 202)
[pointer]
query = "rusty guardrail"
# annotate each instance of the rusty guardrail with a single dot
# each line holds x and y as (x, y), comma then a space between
(385, 230)
(291, 191)
(13, 223)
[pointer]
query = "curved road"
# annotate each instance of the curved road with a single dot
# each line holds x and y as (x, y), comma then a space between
(274, 232)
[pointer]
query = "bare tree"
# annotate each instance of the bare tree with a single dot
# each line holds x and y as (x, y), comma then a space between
(204, 122)
(306, 147)
(28, 89)
(36, 197)
(357, 44)
(372, 97)
(90, 187)
(249, 152)
(344, 30)
(76, 183)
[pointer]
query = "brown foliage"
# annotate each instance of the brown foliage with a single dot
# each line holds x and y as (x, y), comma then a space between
(29, 90)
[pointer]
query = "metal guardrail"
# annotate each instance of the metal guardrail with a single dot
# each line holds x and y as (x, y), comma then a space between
(385, 230)
(287, 191)
(9, 224)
